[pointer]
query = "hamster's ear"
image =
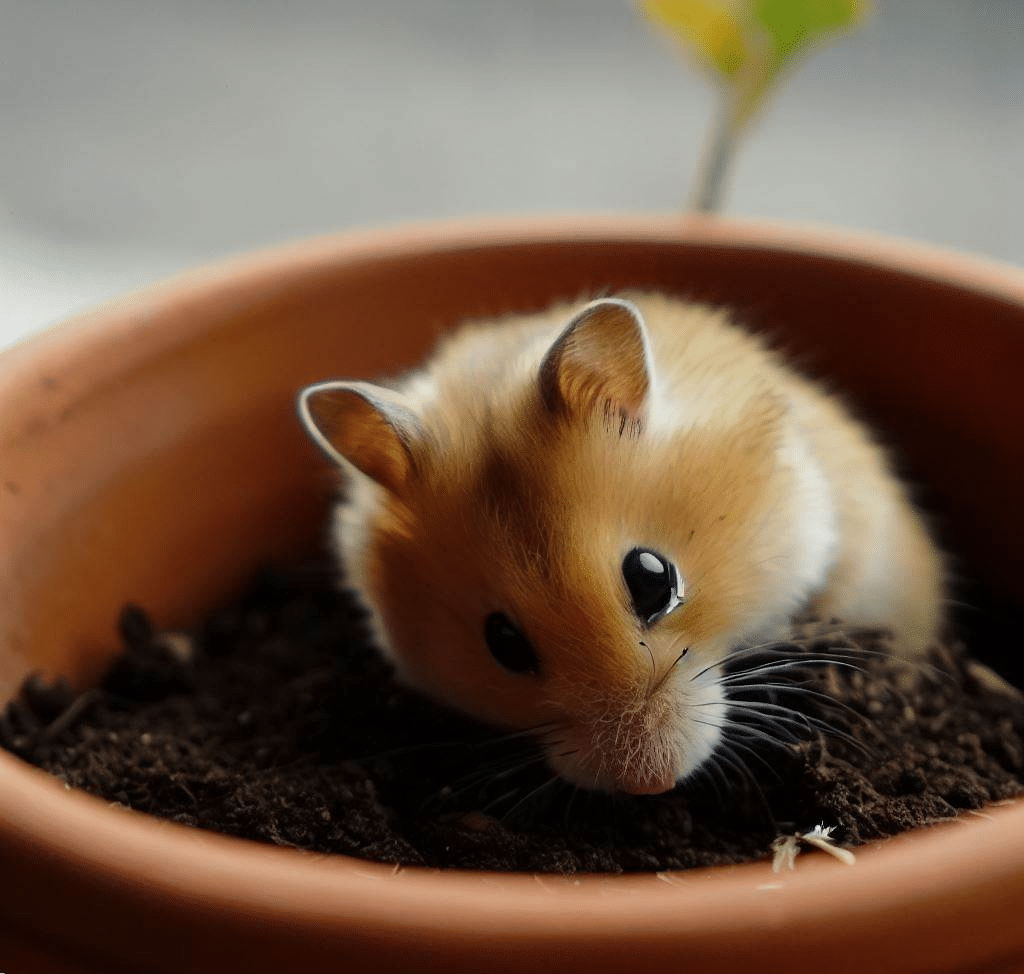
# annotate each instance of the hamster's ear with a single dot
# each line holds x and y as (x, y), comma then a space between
(600, 362)
(372, 428)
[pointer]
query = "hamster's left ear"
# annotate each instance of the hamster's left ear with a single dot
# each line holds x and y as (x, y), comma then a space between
(600, 362)
(371, 427)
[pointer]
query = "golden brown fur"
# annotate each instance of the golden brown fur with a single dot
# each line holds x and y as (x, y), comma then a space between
(526, 459)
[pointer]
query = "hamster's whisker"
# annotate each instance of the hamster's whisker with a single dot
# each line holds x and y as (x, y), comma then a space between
(532, 794)
(729, 727)
(737, 654)
(790, 658)
(515, 762)
(567, 814)
(784, 652)
(484, 778)
(826, 701)
(504, 764)
(766, 706)
(734, 743)
(408, 749)
(775, 734)
(796, 646)
(600, 766)
(710, 723)
(777, 715)
(731, 759)
(793, 640)
(960, 604)
(503, 797)
(795, 731)
(761, 724)
(710, 666)
(754, 733)
(496, 771)
(538, 730)
(797, 689)
(787, 665)
(710, 771)
(651, 689)
(842, 654)
(836, 654)
(783, 657)
(668, 672)
(842, 659)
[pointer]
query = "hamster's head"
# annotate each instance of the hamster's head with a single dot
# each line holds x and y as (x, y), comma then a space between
(537, 553)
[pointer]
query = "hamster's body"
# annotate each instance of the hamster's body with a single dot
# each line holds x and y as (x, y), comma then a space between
(567, 521)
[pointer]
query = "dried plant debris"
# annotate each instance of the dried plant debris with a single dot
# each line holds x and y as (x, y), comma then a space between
(786, 848)
(279, 722)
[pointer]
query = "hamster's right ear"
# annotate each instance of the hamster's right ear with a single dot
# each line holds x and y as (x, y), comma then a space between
(600, 362)
(368, 426)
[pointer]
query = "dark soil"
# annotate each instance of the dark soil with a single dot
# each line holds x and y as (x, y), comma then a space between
(279, 723)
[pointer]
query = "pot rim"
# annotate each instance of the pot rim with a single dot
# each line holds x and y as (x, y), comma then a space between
(979, 857)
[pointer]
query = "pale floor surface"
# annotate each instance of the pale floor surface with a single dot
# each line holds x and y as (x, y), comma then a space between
(146, 136)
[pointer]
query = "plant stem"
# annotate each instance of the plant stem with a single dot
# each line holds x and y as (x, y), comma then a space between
(716, 158)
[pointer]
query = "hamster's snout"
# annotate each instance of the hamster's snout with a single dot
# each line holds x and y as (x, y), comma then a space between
(645, 748)
(641, 770)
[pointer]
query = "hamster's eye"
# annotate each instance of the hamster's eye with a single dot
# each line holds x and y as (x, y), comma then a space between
(508, 645)
(653, 584)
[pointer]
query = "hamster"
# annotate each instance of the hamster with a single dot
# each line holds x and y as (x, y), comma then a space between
(564, 523)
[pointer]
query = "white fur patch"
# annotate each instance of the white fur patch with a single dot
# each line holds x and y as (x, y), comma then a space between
(815, 526)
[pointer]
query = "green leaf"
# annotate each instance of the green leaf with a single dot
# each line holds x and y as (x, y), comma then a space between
(792, 25)
(713, 31)
(746, 46)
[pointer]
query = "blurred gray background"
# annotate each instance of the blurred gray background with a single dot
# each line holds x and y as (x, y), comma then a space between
(140, 137)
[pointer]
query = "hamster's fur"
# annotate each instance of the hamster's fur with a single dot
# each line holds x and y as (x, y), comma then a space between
(511, 476)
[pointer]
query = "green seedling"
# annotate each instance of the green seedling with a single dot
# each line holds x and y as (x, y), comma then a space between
(745, 47)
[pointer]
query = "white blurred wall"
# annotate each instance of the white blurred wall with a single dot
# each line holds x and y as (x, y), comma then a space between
(140, 137)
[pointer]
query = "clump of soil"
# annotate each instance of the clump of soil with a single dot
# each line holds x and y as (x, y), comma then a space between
(279, 722)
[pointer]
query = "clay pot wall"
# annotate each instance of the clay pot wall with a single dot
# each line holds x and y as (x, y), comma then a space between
(149, 451)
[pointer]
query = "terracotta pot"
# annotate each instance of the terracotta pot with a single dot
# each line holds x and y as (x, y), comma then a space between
(150, 451)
